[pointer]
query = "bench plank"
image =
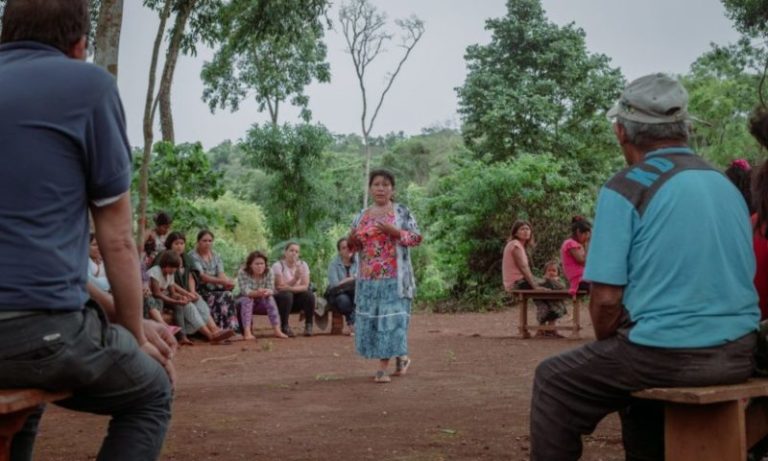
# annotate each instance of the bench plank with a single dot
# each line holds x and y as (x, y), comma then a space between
(12, 400)
(15, 406)
(707, 394)
(712, 423)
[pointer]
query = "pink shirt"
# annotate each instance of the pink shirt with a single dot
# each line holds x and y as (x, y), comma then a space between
(510, 273)
(574, 271)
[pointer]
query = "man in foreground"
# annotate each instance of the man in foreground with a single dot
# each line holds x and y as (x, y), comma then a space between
(65, 150)
(672, 299)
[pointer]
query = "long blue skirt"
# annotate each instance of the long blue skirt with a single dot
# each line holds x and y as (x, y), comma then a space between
(381, 319)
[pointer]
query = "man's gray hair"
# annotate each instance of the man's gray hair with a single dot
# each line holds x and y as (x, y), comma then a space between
(644, 134)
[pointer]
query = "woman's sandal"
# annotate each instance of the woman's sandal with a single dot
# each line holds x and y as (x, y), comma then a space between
(401, 366)
(221, 336)
(381, 377)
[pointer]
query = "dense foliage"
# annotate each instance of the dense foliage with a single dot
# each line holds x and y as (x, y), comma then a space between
(535, 89)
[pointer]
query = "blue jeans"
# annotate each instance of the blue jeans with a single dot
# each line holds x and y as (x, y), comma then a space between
(345, 303)
(103, 367)
(573, 391)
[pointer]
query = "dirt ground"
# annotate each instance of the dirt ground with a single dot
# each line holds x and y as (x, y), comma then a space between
(466, 397)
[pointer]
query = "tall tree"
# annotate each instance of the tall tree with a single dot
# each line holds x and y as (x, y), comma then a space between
(291, 155)
(721, 86)
(535, 88)
(751, 19)
(273, 67)
(364, 30)
(150, 108)
(107, 34)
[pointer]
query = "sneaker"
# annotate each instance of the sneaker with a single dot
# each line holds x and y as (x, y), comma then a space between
(401, 366)
(381, 377)
(308, 330)
(288, 332)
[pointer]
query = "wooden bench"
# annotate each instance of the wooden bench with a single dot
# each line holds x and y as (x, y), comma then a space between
(562, 295)
(15, 406)
(715, 423)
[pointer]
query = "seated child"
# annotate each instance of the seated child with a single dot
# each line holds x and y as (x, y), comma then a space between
(551, 311)
(191, 317)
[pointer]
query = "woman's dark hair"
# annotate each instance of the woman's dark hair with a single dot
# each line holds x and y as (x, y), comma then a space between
(384, 174)
(203, 233)
(163, 219)
(338, 243)
(252, 257)
(168, 259)
(58, 23)
(740, 174)
(516, 227)
(289, 244)
(579, 225)
(172, 237)
(758, 126)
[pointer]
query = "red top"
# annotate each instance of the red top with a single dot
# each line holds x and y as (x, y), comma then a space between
(760, 247)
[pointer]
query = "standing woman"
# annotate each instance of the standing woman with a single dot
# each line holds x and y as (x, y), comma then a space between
(215, 287)
(293, 293)
(382, 235)
(257, 287)
(573, 254)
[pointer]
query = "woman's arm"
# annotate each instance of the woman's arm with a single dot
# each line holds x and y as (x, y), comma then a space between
(578, 254)
(158, 293)
(522, 263)
(301, 278)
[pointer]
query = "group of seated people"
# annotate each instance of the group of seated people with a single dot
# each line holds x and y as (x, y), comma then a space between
(198, 297)
(517, 273)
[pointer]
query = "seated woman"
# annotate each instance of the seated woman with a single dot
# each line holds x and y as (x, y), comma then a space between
(97, 274)
(292, 284)
(195, 318)
(341, 282)
(573, 254)
(186, 276)
(215, 287)
(517, 275)
(256, 285)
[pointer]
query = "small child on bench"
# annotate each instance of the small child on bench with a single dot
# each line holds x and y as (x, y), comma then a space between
(549, 312)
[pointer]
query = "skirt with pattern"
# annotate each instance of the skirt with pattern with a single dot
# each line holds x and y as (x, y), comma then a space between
(381, 319)
(223, 309)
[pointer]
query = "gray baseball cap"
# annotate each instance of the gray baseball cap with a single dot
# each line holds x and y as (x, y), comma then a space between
(652, 99)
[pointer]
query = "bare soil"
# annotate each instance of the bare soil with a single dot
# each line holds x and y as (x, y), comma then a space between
(466, 397)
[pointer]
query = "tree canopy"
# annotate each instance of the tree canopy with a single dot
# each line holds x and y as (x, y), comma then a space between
(535, 89)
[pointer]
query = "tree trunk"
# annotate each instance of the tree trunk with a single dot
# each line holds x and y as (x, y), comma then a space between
(171, 58)
(107, 40)
(149, 117)
(367, 170)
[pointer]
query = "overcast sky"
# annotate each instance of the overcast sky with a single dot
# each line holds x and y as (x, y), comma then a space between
(639, 36)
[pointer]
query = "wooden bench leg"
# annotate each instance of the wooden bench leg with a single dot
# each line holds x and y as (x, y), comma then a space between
(713, 432)
(576, 319)
(10, 424)
(337, 323)
(524, 319)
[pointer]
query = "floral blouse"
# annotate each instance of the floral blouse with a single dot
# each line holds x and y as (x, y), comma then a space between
(378, 256)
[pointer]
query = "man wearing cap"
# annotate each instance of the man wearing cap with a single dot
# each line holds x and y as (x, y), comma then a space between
(672, 299)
